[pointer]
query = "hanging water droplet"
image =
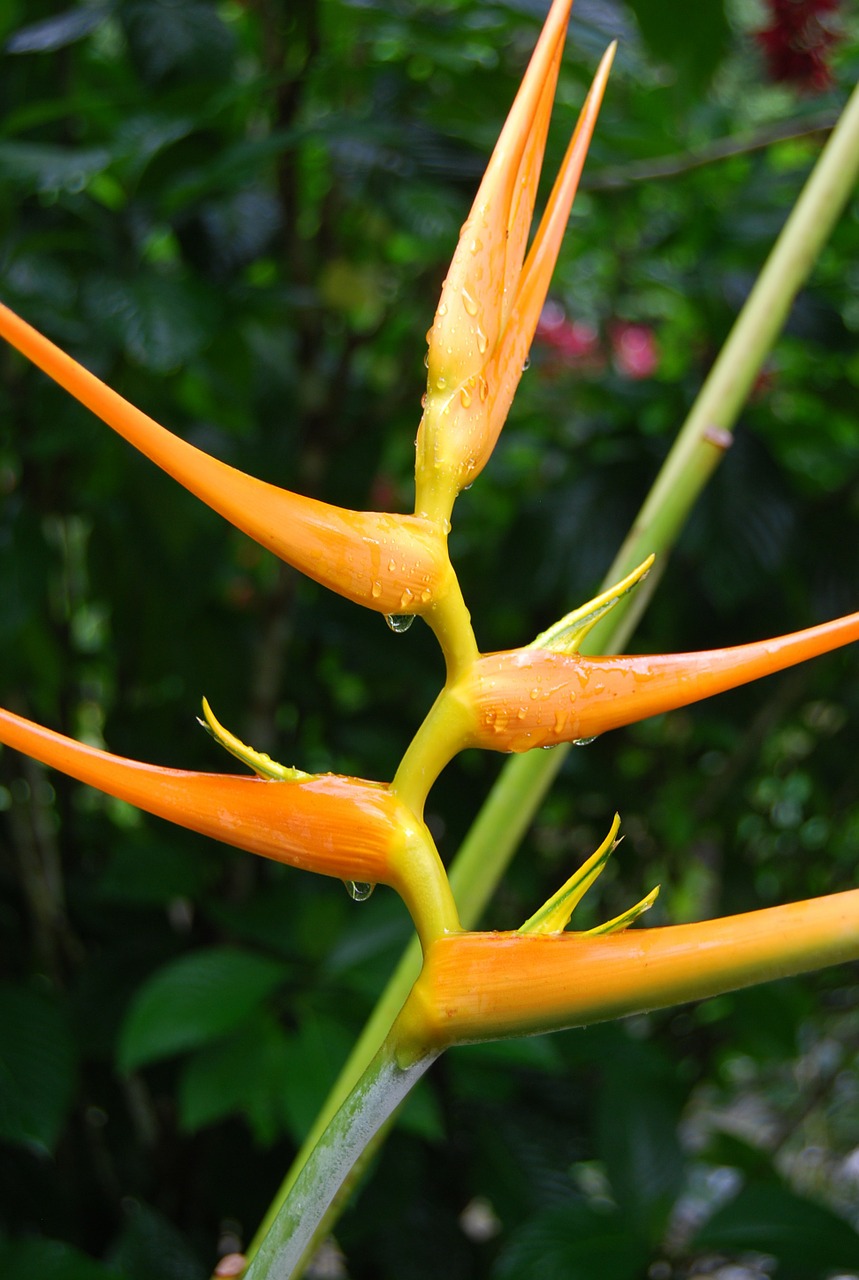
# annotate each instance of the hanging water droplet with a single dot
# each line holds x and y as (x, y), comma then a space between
(426, 361)
(584, 742)
(469, 303)
(358, 890)
(526, 365)
(399, 622)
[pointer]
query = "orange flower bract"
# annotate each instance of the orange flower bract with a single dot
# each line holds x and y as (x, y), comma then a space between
(524, 698)
(390, 563)
(485, 986)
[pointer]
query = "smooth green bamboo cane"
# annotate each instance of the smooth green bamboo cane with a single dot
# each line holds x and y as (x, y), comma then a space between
(698, 450)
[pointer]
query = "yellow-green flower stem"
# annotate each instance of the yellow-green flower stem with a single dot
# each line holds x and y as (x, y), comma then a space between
(423, 885)
(443, 733)
(700, 446)
(450, 620)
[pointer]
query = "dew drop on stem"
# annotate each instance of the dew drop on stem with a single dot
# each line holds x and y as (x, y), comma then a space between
(358, 890)
(399, 622)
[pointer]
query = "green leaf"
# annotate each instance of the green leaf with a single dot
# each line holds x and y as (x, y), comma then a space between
(637, 1116)
(313, 1059)
(145, 870)
(57, 32)
(161, 321)
(193, 1001)
(246, 1074)
(37, 1069)
(696, 51)
(48, 169)
(151, 1246)
(189, 37)
(806, 1239)
(576, 1242)
(50, 1260)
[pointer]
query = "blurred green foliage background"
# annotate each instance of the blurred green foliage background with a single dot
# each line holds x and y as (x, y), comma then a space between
(239, 214)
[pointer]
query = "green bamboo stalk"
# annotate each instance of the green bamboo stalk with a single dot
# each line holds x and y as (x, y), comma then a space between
(699, 448)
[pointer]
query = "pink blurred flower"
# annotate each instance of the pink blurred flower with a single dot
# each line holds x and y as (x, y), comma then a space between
(569, 342)
(636, 354)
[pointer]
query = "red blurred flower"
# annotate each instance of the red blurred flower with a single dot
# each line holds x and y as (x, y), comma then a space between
(797, 42)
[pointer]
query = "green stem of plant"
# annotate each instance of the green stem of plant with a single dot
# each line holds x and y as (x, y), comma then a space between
(698, 450)
(329, 1169)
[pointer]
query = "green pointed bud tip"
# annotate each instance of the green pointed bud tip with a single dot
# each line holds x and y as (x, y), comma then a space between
(566, 636)
(625, 919)
(261, 764)
(554, 915)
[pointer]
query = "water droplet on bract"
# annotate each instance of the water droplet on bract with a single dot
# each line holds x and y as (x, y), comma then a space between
(376, 590)
(441, 309)
(399, 622)
(469, 303)
(526, 364)
(424, 400)
(482, 341)
(584, 742)
(358, 890)
(483, 388)
(392, 565)
(441, 383)
(475, 246)
(465, 398)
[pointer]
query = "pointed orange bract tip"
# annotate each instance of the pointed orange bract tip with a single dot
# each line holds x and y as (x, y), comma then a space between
(391, 563)
(525, 698)
(491, 302)
(336, 826)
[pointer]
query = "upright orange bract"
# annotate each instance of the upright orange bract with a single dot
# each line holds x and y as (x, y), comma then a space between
(493, 295)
